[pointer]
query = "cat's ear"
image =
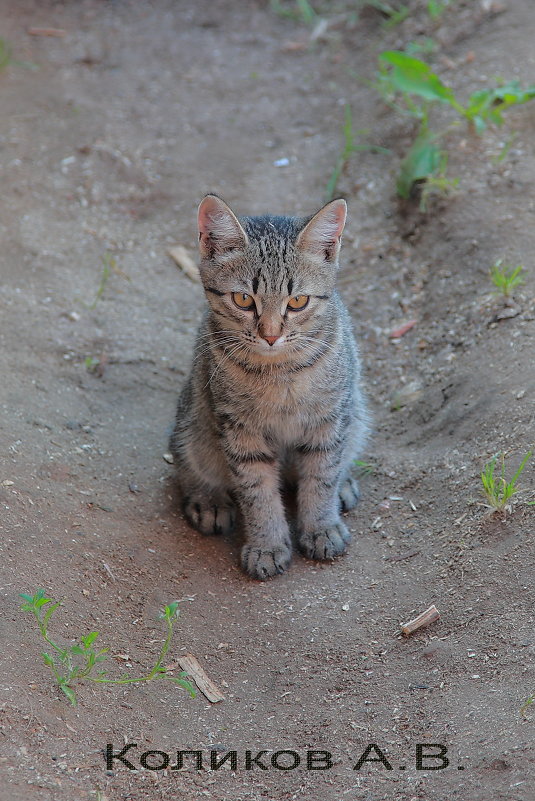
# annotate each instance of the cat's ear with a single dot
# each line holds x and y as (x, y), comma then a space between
(322, 234)
(219, 229)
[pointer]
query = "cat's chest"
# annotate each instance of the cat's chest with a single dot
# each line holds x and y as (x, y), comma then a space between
(287, 409)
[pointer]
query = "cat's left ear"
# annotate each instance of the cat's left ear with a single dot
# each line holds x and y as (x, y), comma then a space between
(322, 234)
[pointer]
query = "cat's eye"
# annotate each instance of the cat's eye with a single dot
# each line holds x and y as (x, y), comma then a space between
(298, 302)
(243, 300)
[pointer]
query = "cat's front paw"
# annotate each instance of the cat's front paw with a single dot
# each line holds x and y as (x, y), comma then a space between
(349, 494)
(326, 542)
(263, 563)
(209, 516)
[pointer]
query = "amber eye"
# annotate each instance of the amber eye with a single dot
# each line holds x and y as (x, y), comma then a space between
(299, 302)
(242, 300)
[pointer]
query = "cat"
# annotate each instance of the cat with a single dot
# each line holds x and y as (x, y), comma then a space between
(275, 383)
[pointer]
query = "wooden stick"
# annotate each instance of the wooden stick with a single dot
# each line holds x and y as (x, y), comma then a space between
(424, 619)
(180, 256)
(192, 666)
(47, 32)
(399, 332)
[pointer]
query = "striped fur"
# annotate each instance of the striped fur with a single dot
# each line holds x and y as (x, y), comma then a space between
(251, 409)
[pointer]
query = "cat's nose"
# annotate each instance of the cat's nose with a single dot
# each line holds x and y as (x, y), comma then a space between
(270, 340)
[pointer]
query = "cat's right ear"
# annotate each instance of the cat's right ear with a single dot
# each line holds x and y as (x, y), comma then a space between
(219, 228)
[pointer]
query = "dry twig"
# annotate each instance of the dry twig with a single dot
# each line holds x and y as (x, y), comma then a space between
(194, 670)
(424, 619)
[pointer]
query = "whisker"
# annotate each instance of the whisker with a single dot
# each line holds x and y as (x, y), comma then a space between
(223, 359)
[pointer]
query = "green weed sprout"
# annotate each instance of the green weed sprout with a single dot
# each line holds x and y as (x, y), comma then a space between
(410, 86)
(394, 16)
(79, 662)
(349, 148)
(505, 277)
(496, 489)
(435, 8)
(303, 11)
(364, 468)
(5, 54)
(526, 705)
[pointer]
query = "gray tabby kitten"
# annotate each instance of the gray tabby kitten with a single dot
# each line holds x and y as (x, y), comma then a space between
(274, 385)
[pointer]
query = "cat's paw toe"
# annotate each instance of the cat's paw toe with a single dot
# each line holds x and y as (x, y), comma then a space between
(263, 563)
(349, 494)
(325, 543)
(210, 517)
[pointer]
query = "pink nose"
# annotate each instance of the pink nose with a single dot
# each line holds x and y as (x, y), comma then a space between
(270, 340)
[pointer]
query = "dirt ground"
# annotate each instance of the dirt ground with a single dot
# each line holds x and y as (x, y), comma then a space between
(109, 137)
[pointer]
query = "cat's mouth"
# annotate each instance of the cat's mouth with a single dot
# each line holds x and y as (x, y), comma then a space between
(271, 344)
(271, 352)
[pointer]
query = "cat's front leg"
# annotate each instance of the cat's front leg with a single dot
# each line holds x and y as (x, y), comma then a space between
(321, 532)
(267, 550)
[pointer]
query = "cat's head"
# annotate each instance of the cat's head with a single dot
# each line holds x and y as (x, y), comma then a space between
(269, 280)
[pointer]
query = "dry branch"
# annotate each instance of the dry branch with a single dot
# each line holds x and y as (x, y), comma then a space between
(194, 670)
(180, 256)
(58, 32)
(424, 619)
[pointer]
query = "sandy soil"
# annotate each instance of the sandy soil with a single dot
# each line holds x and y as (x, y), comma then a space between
(106, 148)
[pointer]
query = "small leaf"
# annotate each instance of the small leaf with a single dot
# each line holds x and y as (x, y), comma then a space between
(415, 77)
(184, 683)
(423, 160)
(69, 693)
(89, 638)
(76, 649)
(47, 659)
(41, 602)
(28, 598)
(172, 610)
(49, 612)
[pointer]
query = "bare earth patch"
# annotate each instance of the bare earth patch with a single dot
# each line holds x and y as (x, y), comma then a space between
(110, 133)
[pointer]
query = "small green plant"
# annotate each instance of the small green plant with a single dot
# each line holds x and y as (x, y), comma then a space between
(524, 707)
(6, 54)
(423, 46)
(91, 363)
(79, 662)
(506, 147)
(505, 277)
(109, 264)
(410, 87)
(394, 15)
(302, 11)
(487, 105)
(348, 149)
(439, 185)
(425, 164)
(6, 58)
(364, 468)
(435, 8)
(496, 489)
